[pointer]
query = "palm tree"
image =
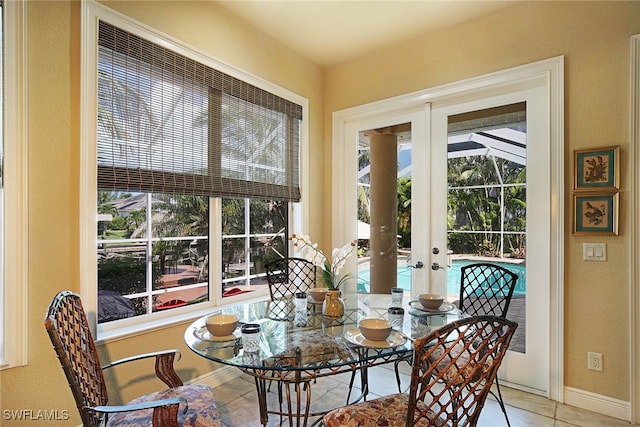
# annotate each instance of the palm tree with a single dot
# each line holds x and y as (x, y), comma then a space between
(181, 215)
(475, 202)
(404, 211)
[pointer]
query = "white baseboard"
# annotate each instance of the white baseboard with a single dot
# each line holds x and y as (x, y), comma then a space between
(597, 403)
(217, 377)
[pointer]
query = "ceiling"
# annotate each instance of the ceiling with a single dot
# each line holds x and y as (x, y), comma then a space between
(329, 32)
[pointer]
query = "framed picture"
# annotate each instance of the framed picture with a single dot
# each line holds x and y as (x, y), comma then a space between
(597, 169)
(596, 213)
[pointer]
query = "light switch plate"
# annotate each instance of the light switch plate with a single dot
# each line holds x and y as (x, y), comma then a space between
(594, 251)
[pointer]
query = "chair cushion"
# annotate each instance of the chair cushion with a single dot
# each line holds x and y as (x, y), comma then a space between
(463, 369)
(202, 409)
(385, 411)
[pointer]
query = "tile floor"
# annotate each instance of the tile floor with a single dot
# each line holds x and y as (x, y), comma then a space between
(238, 405)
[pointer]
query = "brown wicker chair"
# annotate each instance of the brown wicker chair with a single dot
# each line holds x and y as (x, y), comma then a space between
(286, 277)
(487, 288)
(180, 405)
(453, 370)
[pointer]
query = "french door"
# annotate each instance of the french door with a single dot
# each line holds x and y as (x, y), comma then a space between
(492, 204)
(479, 186)
(537, 365)
(540, 87)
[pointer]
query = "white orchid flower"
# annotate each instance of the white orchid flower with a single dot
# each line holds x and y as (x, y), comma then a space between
(330, 269)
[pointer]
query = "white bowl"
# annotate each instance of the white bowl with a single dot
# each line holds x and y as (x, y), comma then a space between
(375, 329)
(318, 294)
(220, 325)
(431, 301)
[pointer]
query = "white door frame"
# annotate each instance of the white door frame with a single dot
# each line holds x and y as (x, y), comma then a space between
(347, 123)
(634, 230)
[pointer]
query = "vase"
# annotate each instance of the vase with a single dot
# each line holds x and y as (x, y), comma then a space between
(333, 305)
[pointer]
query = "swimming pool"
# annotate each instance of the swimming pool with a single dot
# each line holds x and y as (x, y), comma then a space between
(453, 277)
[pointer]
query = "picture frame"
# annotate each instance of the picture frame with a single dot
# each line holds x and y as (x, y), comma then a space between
(596, 213)
(597, 169)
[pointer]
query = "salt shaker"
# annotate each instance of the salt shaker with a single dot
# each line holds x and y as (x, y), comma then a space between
(250, 337)
(300, 309)
(396, 317)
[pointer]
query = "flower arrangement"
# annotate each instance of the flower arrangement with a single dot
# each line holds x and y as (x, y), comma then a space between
(330, 267)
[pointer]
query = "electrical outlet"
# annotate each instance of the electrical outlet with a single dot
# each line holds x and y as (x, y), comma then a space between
(594, 361)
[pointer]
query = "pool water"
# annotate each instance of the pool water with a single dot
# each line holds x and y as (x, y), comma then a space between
(453, 277)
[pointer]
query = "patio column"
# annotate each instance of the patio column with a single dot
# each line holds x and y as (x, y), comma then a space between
(384, 224)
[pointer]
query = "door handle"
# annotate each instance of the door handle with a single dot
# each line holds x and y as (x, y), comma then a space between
(418, 264)
(435, 266)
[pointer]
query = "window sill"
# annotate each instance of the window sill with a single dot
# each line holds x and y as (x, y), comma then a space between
(129, 329)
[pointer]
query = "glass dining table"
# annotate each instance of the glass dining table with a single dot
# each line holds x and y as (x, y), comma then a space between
(296, 347)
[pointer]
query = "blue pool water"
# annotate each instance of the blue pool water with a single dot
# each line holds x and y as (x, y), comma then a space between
(453, 277)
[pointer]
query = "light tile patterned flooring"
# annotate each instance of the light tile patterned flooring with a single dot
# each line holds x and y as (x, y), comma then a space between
(238, 405)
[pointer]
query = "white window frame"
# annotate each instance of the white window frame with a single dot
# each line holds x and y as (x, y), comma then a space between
(248, 277)
(91, 14)
(14, 282)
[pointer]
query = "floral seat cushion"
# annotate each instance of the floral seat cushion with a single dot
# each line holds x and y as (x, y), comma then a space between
(388, 411)
(463, 370)
(202, 410)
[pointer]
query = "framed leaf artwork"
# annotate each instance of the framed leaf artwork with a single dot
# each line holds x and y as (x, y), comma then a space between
(596, 213)
(597, 169)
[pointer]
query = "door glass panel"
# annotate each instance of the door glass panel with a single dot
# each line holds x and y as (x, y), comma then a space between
(384, 209)
(486, 178)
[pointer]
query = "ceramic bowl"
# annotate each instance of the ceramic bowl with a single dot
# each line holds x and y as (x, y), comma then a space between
(318, 294)
(220, 325)
(431, 301)
(375, 329)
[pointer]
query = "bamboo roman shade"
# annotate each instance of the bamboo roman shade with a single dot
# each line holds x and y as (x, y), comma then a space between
(169, 124)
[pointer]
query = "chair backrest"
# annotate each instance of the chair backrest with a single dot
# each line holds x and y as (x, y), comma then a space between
(454, 368)
(287, 276)
(67, 326)
(486, 288)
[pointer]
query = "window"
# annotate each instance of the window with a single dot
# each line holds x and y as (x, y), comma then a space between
(254, 233)
(13, 191)
(170, 124)
(195, 172)
(152, 253)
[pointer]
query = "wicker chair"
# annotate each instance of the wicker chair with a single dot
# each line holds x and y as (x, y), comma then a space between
(286, 277)
(453, 369)
(487, 288)
(180, 405)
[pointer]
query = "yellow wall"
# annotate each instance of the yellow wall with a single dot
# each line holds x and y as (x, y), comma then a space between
(54, 30)
(594, 37)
